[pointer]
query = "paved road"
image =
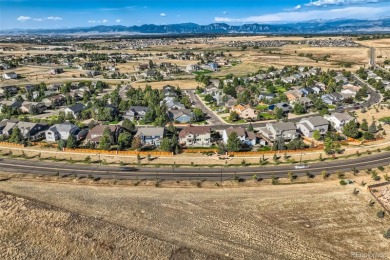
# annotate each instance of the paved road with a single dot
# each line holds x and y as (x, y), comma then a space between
(213, 118)
(114, 172)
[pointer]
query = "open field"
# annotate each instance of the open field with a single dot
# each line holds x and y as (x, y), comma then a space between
(303, 221)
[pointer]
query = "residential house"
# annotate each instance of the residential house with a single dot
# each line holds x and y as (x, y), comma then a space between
(273, 131)
(283, 105)
(10, 75)
(306, 91)
(192, 68)
(63, 131)
(181, 115)
(230, 102)
(150, 136)
(10, 90)
(55, 71)
(54, 101)
(244, 112)
(305, 101)
(32, 107)
(339, 120)
(136, 113)
(75, 110)
(31, 131)
(307, 126)
(332, 98)
(246, 137)
(96, 133)
(195, 136)
(173, 105)
(293, 95)
(266, 96)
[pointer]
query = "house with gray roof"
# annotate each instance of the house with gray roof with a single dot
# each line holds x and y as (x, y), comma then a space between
(339, 120)
(136, 113)
(273, 131)
(246, 137)
(195, 136)
(74, 110)
(150, 136)
(62, 131)
(181, 115)
(307, 126)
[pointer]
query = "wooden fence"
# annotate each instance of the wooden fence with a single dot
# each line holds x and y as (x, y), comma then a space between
(91, 151)
(11, 144)
(371, 187)
(205, 150)
(319, 148)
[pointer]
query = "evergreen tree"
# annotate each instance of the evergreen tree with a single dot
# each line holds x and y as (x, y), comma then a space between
(372, 128)
(128, 125)
(16, 136)
(364, 125)
(71, 142)
(250, 127)
(124, 140)
(351, 130)
(316, 134)
(233, 143)
(136, 143)
(166, 144)
(106, 140)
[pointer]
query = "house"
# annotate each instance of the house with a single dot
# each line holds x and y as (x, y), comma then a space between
(192, 68)
(62, 131)
(150, 136)
(32, 131)
(293, 95)
(74, 110)
(283, 105)
(332, 98)
(10, 104)
(245, 112)
(181, 115)
(169, 91)
(306, 91)
(173, 105)
(341, 78)
(54, 101)
(213, 66)
(55, 71)
(96, 133)
(10, 75)
(266, 96)
(246, 137)
(195, 136)
(136, 113)
(6, 126)
(273, 131)
(230, 102)
(10, 90)
(339, 120)
(32, 107)
(305, 101)
(308, 125)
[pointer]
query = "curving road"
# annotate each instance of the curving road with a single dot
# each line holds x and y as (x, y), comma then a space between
(21, 166)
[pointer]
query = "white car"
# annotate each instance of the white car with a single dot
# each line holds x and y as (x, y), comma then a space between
(301, 166)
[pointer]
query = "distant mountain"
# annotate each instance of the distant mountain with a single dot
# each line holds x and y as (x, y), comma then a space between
(310, 27)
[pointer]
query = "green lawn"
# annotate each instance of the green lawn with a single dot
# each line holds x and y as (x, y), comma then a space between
(267, 116)
(227, 120)
(200, 72)
(280, 89)
(262, 107)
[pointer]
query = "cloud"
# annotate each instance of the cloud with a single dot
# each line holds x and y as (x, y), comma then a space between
(23, 18)
(224, 12)
(298, 16)
(324, 3)
(97, 21)
(163, 14)
(118, 20)
(297, 7)
(54, 18)
(38, 19)
(104, 21)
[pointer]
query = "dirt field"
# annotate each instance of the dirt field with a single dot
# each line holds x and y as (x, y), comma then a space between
(302, 221)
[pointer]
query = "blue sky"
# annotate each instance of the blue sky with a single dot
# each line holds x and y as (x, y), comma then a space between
(28, 14)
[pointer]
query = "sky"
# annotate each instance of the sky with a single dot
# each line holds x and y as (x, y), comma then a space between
(35, 14)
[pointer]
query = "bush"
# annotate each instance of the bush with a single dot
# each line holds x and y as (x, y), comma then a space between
(343, 182)
(380, 214)
(381, 168)
(387, 234)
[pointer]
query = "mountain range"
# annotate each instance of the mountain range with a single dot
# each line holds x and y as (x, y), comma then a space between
(346, 26)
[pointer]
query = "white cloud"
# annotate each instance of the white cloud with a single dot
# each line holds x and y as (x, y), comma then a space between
(104, 21)
(118, 20)
(295, 16)
(38, 19)
(54, 18)
(97, 21)
(297, 7)
(320, 3)
(224, 12)
(163, 14)
(23, 18)
(92, 21)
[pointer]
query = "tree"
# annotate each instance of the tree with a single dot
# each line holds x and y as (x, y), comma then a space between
(364, 125)
(16, 136)
(372, 128)
(368, 136)
(124, 140)
(198, 114)
(166, 144)
(208, 98)
(351, 130)
(128, 125)
(299, 109)
(295, 144)
(136, 143)
(71, 142)
(234, 116)
(250, 127)
(316, 135)
(233, 143)
(279, 113)
(106, 140)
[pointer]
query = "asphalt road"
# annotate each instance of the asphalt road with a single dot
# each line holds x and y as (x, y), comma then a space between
(169, 173)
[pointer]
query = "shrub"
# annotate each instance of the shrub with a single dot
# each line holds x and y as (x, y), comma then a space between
(343, 182)
(387, 234)
(380, 214)
(381, 168)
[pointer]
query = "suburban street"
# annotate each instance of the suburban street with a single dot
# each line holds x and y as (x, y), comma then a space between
(21, 166)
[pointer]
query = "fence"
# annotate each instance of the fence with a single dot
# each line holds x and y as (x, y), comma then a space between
(91, 151)
(319, 148)
(371, 187)
(11, 144)
(205, 150)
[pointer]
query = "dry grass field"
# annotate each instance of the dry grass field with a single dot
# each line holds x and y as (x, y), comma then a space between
(302, 221)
